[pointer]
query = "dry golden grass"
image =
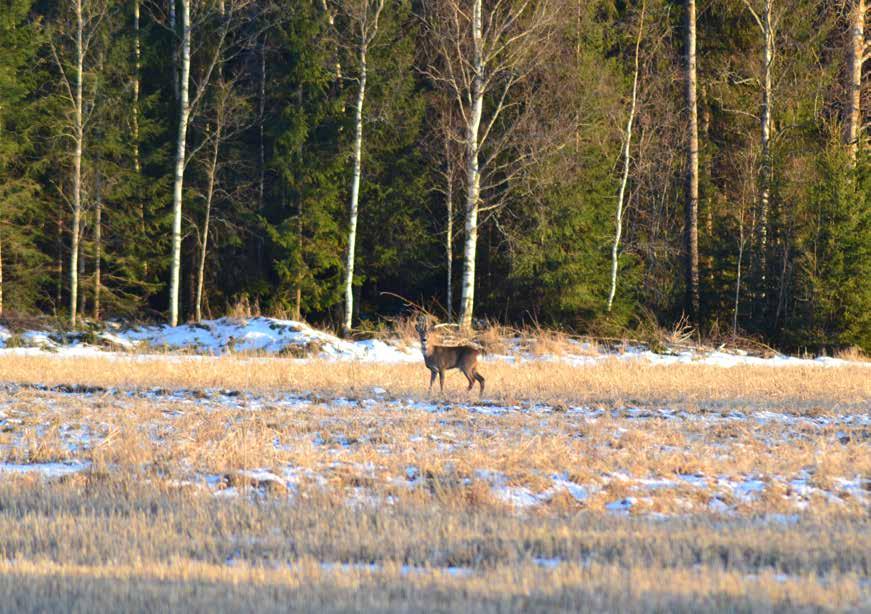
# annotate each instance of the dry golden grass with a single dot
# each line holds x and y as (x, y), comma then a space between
(169, 513)
(107, 543)
(852, 353)
(614, 383)
(371, 445)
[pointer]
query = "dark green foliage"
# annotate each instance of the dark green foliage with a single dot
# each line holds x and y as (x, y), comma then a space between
(549, 193)
(21, 208)
(832, 295)
(304, 213)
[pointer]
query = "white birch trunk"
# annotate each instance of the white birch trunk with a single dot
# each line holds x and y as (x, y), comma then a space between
(691, 213)
(449, 231)
(738, 273)
(626, 158)
(82, 297)
(765, 129)
(210, 191)
(299, 236)
(98, 256)
(473, 174)
(184, 113)
(136, 69)
(58, 263)
(79, 136)
(857, 52)
(355, 191)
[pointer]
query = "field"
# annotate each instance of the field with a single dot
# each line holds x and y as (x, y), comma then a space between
(262, 483)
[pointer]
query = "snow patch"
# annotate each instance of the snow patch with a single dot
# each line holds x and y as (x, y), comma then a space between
(46, 470)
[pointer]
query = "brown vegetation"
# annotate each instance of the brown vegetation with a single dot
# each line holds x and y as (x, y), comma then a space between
(366, 500)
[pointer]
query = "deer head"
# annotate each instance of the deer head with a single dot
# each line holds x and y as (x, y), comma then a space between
(421, 328)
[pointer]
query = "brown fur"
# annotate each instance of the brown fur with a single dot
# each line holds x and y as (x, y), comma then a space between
(441, 358)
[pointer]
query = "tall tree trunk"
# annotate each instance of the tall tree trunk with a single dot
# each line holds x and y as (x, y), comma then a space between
(297, 307)
(210, 191)
(82, 295)
(261, 160)
(856, 53)
(299, 227)
(210, 187)
(626, 158)
(79, 136)
(765, 137)
(355, 190)
(691, 212)
(331, 20)
(184, 113)
(175, 82)
(449, 231)
(473, 174)
(98, 255)
(137, 163)
(260, 117)
(136, 71)
(707, 198)
(738, 273)
(59, 261)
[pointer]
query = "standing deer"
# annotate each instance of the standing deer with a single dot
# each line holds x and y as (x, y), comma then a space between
(441, 358)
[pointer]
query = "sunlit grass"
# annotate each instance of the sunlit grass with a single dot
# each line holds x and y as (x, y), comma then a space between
(394, 494)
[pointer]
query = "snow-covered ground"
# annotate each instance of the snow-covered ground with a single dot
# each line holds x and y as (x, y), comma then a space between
(259, 335)
(270, 336)
(730, 428)
(615, 489)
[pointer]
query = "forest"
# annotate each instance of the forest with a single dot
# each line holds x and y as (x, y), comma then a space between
(600, 166)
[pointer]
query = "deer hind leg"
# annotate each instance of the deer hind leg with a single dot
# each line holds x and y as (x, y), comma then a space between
(469, 376)
(480, 379)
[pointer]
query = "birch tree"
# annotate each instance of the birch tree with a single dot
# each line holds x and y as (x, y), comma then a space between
(627, 138)
(212, 42)
(184, 110)
(137, 58)
(451, 166)
(227, 119)
(691, 202)
(98, 252)
(363, 16)
(857, 53)
(73, 53)
(764, 21)
(484, 51)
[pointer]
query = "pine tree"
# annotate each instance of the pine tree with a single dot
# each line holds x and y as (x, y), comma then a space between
(302, 217)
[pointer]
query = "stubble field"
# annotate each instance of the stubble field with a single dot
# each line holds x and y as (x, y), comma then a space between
(259, 484)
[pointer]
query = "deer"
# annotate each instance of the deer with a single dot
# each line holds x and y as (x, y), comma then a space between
(441, 358)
